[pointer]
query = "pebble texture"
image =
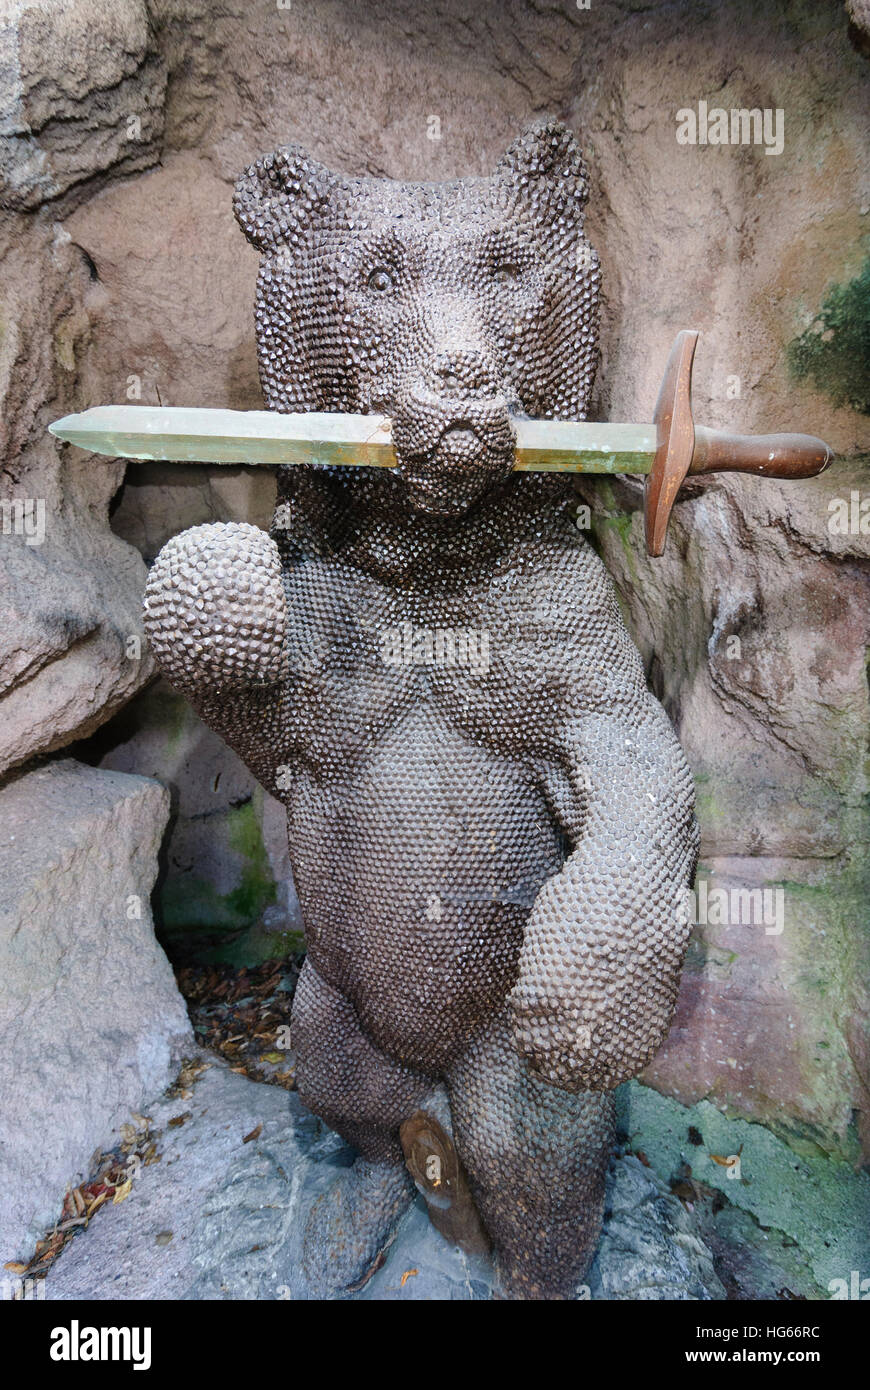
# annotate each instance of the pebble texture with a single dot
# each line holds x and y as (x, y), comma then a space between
(490, 819)
(91, 1020)
(442, 309)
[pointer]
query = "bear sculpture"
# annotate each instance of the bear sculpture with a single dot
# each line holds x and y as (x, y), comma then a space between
(491, 823)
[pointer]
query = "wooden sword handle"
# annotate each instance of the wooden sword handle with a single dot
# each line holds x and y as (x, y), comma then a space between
(769, 455)
(684, 448)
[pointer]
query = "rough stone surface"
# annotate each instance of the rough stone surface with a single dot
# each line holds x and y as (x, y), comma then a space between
(859, 13)
(653, 1249)
(766, 685)
(800, 1199)
(91, 1020)
(225, 860)
(221, 1218)
(71, 642)
(174, 291)
(81, 93)
(82, 89)
(72, 650)
(778, 1043)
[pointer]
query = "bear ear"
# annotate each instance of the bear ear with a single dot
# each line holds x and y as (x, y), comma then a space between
(281, 194)
(547, 157)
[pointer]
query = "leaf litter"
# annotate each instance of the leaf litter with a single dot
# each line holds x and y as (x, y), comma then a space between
(242, 1014)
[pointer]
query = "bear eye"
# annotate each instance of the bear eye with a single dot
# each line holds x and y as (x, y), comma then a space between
(380, 280)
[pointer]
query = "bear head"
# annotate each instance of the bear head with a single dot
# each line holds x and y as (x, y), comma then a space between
(449, 307)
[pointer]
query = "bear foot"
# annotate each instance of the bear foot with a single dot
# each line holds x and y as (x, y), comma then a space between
(351, 1225)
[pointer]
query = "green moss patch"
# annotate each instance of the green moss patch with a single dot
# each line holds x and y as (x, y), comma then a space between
(820, 1204)
(834, 352)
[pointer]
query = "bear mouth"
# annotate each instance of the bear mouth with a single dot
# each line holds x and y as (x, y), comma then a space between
(450, 453)
(459, 437)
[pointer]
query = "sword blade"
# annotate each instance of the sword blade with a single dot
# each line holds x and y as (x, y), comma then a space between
(267, 438)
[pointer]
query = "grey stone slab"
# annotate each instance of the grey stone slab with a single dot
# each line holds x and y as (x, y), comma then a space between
(219, 1218)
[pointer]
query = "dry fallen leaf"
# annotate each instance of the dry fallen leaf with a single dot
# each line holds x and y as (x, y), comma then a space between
(684, 1190)
(122, 1192)
(73, 1221)
(16, 1267)
(254, 1134)
(407, 1275)
(97, 1202)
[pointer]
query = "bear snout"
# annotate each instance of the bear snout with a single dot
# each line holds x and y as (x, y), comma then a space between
(452, 449)
(422, 421)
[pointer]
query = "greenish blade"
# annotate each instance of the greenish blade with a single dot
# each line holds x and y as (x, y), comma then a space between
(267, 438)
(578, 446)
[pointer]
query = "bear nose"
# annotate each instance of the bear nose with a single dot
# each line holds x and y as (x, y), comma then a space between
(461, 369)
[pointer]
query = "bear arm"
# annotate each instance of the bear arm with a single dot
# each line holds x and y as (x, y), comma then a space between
(215, 611)
(603, 947)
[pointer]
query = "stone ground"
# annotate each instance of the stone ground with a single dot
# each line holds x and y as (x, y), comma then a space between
(220, 1215)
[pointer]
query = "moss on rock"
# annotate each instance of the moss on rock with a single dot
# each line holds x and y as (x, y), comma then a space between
(835, 350)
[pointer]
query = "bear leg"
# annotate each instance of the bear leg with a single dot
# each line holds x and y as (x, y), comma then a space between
(536, 1158)
(364, 1096)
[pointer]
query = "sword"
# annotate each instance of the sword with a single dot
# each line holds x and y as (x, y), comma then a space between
(666, 451)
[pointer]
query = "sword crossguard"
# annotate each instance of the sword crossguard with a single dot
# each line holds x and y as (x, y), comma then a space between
(685, 449)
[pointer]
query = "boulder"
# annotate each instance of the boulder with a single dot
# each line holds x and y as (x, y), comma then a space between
(91, 1020)
(72, 649)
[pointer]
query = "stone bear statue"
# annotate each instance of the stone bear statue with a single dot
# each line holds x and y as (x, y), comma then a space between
(491, 823)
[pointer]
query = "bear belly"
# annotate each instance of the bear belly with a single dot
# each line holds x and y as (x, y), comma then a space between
(416, 871)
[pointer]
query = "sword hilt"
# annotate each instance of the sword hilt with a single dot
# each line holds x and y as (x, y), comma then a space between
(686, 449)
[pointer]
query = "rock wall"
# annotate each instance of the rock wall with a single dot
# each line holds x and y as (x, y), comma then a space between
(124, 277)
(70, 619)
(226, 889)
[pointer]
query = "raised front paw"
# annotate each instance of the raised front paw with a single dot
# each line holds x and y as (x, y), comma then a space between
(215, 611)
(594, 1045)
